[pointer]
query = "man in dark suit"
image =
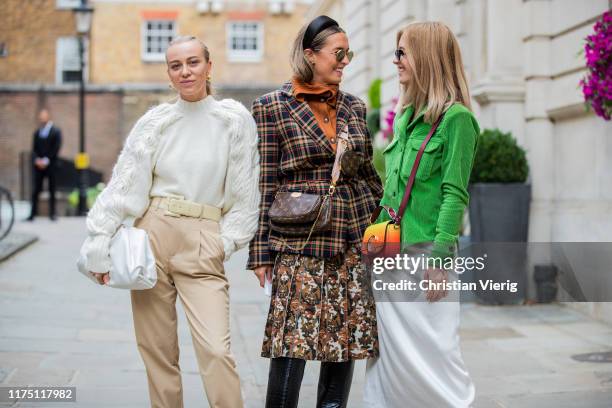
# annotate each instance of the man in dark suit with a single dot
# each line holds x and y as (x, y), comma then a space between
(46, 144)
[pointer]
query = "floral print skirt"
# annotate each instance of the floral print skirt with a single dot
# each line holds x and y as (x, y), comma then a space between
(321, 309)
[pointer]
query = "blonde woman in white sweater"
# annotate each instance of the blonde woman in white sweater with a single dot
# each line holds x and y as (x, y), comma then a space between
(202, 153)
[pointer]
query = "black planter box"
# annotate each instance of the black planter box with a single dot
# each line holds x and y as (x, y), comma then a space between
(499, 213)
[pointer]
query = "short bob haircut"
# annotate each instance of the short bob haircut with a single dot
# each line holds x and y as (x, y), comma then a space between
(300, 65)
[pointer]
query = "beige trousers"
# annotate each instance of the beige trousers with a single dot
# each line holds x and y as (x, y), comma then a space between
(189, 257)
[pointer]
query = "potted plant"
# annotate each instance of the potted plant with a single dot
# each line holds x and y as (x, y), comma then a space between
(380, 137)
(499, 212)
(373, 116)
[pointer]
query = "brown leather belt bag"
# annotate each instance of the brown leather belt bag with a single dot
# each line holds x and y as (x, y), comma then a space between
(296, 214)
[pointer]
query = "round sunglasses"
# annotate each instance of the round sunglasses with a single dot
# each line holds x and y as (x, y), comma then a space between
(399, 54)
(341, 53)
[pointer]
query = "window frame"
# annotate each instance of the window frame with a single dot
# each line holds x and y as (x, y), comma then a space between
(245, 55)
(279, 7)
(59, 61)
(154, 56)
(67, 4)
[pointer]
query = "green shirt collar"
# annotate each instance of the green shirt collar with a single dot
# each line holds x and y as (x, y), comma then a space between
(402, 125)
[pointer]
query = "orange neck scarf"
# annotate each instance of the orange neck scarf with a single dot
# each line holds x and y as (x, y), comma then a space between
(321, 99)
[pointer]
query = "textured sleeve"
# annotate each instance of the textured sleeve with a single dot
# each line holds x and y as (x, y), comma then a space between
(127, 192)
(458, 158)
(241, 212)
(259, 253)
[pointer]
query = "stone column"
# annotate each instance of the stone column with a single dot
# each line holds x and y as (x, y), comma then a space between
(361, 24)
(499, 87)
(536, 38)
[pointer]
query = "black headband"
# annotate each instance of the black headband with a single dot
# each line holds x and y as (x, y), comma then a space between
(315, 27)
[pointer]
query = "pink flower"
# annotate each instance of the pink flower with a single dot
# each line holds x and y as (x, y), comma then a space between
(387, 132)
(597, 84)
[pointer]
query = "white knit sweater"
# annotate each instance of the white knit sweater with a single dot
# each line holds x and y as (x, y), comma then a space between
(205, 151)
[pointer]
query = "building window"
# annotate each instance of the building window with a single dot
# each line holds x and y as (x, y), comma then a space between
(281, 6)
(209, 6)
(156, 34)
(67, 4)
(67, 61)
(245, 41)
(3, 50)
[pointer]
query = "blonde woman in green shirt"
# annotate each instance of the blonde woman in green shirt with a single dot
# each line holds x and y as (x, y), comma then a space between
(420, 363)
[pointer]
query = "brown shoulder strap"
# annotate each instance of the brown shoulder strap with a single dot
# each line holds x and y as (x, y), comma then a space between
(415, 166)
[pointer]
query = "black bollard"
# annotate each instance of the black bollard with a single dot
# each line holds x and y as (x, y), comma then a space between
(545, 277)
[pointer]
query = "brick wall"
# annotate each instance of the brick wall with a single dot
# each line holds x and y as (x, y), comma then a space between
(30, 30)
(116, 54)
(110, 114)
(17, 121)
(18, 111)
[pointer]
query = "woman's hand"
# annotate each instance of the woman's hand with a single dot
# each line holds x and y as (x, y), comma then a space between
(436, 278)
(102, 278)
(261, 272)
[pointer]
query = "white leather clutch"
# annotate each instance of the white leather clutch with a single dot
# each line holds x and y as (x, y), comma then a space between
(132, 259)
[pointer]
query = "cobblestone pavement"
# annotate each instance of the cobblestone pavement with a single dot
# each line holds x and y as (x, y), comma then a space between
(57, 328)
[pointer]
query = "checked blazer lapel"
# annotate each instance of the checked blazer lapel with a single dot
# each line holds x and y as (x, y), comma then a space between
(343, 114)
(303, 115)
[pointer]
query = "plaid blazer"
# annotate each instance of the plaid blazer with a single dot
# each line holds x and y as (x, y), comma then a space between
(295, 155)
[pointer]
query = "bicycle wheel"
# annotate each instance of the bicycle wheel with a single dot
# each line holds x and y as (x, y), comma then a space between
(7, 212)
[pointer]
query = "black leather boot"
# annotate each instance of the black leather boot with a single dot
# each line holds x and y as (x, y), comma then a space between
(334, 384)
(284, 382)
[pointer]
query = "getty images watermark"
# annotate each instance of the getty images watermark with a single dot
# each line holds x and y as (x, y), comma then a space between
(414, 265)
(412, 273)
(495, 272)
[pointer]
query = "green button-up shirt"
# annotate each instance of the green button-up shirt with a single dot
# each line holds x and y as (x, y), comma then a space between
(439, 195)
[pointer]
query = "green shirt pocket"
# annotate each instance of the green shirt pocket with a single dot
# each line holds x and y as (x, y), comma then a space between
(431, 159)
(390, 155)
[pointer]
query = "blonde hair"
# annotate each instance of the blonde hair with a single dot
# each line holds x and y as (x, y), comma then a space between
(300, 65)
(186, 38)
(437, 77)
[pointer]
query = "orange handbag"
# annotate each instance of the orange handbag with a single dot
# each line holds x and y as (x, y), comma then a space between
(383, 239)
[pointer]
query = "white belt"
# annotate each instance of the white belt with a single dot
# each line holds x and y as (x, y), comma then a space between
(177, 206)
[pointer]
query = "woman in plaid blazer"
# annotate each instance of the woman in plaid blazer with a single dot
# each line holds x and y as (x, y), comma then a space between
(320, 308)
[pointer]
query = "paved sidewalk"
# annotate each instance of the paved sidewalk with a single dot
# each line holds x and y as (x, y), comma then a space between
(56, 328)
